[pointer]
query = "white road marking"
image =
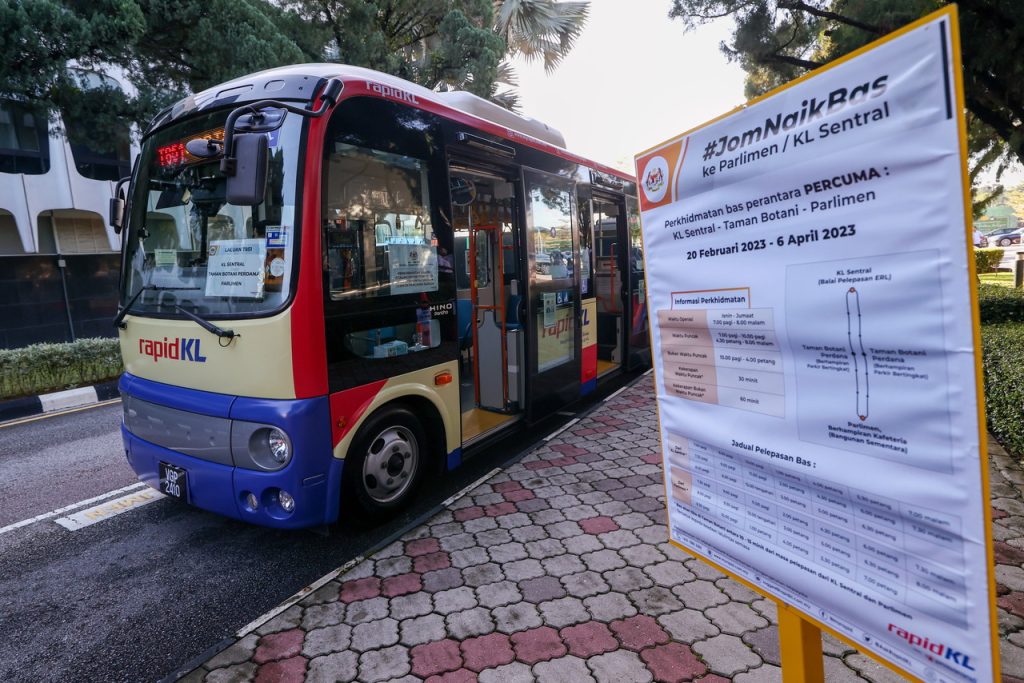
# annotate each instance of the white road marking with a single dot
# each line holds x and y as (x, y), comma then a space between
(613, 395)
(561, 429)
(330, 576)
(67, 508)
(111, 508)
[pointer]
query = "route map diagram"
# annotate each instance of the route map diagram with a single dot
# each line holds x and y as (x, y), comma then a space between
(863, 398)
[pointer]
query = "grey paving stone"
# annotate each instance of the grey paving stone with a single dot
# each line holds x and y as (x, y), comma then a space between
(493, 537)
(737, 591)
(523, 569)
(1010, 576)
(655, 600)
(602, 560)
(323, 615)
(324, 641)
(767, 609)
(526, 534)
(393, 566)
(765, 642)
(623, 538)
(498, 594)
(468, 557)
(657, 535)
(507, 552)
(288, 619)
(516, 672)
(440, 530)
(626, 579)
(562, 670)
(454, 600)
(735, 618)
(580, 511)
(641, 555)
(363, 611)
(584, 584)
(584, 543)
(475, 526)
(373, 635)
(669, 573)
(237, 673)
(541, 589)
(482, 574)
(516, 617)
(619, 666)
(412, 605)
(700, 594)
(703, 570)
(515, 520)
(1011, 657)
(613, 508)
(548, 547)
(419, 630)
(241, 651)
(834, 647)
(872, 670)
(457, 542)
(688, 625)
(442, 579)
(366, 568)
(609, 606)
(595, 498)
(560, 565)
(836, 671)
(341, 666)
(563, 529)
(766, 673)
(563, 612)
(324, 594)
(547, 517)
(471, 622)
(384, 665)
(726, 655)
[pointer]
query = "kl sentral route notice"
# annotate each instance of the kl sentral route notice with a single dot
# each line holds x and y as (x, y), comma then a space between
(813, 341)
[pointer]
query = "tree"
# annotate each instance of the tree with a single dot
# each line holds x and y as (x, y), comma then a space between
(166, 48)
(777, 40)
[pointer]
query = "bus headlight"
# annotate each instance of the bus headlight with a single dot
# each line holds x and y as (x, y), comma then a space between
(280, 449)
(270, 448)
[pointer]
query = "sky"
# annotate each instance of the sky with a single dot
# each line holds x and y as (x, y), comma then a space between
(633, 80)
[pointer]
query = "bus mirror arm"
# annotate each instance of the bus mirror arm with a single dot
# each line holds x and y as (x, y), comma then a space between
(116, 210)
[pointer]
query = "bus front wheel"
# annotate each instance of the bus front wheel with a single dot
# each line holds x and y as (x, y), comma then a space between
(385, 462)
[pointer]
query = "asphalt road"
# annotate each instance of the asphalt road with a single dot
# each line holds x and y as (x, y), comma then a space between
(137, 596)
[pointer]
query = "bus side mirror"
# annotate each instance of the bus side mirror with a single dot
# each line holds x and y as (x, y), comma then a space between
(248, 183)
(115, 215)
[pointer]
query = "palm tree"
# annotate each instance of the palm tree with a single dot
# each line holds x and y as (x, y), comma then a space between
(543, 29)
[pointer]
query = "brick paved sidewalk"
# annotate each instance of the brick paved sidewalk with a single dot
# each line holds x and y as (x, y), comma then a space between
(558, 569)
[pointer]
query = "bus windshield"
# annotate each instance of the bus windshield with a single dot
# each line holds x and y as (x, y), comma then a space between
(189, 248)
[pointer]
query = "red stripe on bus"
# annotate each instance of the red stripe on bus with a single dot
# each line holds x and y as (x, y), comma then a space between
(349, 405)
(309, 350)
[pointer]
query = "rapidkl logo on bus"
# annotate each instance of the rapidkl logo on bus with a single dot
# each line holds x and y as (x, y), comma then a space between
(172, 349)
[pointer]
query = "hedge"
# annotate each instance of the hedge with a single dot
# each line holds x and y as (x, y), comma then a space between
(998, 304)
(987, 260)
(42, 368)
(1002, 351)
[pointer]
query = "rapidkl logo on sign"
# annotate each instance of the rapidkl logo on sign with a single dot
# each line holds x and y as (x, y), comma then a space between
(938, 649)
(172, 349)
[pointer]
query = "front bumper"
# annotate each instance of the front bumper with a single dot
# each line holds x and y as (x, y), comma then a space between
(312, 476)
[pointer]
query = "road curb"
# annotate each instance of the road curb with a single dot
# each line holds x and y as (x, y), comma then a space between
(28, 406)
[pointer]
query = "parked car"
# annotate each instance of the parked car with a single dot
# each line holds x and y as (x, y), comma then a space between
(1005, 237)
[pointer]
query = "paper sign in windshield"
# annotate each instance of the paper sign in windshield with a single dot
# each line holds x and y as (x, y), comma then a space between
(413, 268)
(235, 268)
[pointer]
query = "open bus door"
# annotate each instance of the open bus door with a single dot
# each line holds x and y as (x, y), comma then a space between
(638, 341)
(552, 322)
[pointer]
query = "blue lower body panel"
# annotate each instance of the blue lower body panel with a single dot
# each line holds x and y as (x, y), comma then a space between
(312, 476)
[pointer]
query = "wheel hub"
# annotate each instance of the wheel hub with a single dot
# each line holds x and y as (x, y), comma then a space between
(390, 464)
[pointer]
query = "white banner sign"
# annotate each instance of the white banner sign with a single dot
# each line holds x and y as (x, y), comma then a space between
(811, 311)
(235, 268)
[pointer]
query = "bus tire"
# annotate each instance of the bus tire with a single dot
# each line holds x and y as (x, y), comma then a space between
(385, 462)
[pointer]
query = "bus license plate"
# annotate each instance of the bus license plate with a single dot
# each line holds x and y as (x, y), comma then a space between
(173, 481)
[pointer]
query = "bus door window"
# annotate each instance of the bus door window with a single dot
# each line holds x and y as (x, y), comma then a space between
(639, 338)
(607, 220)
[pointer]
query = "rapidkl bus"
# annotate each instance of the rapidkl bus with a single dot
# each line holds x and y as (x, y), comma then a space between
(336, 283)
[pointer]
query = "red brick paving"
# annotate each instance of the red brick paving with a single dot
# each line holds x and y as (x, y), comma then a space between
(1008, 554)
(488, 651)
(360, 589)
(400, 585)
(499, 509)
(506, 486)
(537, 645)
(636, 633)
(279, 645)
(672, 663)
(1012, 602)
(435, 658)
(422, 546)
(518, 496)
(588, 639)
(599, 525)
(431, 562)
(460, 676)
(466, 514)
(286, 671)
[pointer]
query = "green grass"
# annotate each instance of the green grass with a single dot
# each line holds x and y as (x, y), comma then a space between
(1004, 279)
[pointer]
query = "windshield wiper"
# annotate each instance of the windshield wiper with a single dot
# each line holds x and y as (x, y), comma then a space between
(207, 325)
(119, 318)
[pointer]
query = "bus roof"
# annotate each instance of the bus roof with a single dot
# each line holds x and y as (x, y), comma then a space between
(301, 81)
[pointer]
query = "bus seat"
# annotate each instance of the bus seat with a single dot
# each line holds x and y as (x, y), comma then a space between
(512, 321)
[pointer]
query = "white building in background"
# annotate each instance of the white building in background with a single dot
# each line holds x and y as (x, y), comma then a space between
(59, 260)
